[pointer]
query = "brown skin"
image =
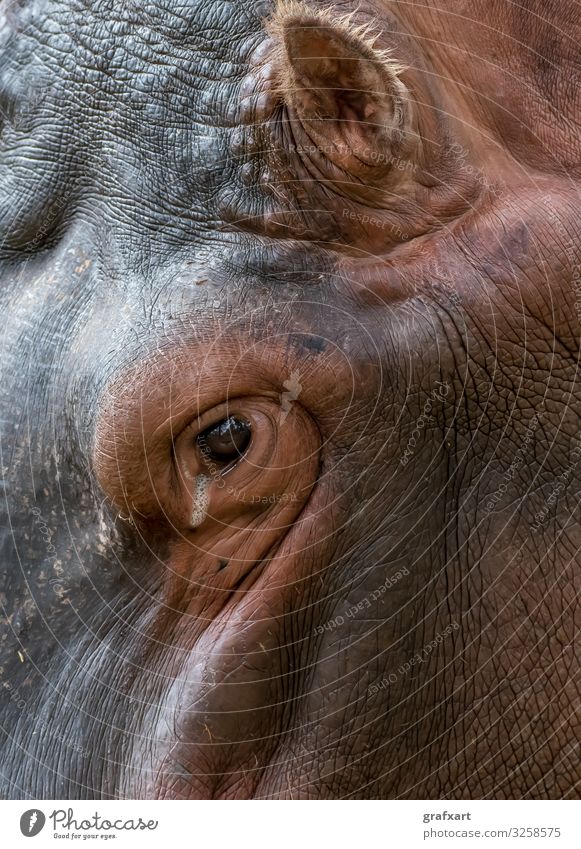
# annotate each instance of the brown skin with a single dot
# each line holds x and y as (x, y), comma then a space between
(493, 711)
(380, 597)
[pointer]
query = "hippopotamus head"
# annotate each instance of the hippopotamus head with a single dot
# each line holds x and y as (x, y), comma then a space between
(289, 428)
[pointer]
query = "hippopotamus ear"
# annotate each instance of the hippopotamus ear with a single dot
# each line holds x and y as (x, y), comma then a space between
(346, 93)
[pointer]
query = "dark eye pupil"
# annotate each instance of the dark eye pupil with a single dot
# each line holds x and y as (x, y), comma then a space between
(225, 441)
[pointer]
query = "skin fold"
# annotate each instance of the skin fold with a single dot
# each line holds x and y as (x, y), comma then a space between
(357, 234)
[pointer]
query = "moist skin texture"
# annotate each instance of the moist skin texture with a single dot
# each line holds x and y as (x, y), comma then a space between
(359, 233)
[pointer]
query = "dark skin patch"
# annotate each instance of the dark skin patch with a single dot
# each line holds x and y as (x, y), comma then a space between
(308, 342)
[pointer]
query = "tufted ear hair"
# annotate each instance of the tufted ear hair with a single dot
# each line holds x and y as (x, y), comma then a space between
(346, 93)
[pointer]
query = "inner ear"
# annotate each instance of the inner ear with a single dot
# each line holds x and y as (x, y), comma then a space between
(333, 80)
(345, 92)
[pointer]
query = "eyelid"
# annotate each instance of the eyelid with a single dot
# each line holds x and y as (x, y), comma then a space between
(235, 417)
(206, 420)
(214, 416)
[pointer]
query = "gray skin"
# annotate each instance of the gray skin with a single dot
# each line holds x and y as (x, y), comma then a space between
(408, 627)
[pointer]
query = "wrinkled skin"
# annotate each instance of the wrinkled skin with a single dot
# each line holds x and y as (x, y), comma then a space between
(378, 599)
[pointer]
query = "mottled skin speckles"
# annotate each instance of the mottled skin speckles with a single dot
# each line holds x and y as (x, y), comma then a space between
(200, 500)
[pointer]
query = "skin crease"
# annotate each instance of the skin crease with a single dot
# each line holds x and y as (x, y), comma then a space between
(380, 600)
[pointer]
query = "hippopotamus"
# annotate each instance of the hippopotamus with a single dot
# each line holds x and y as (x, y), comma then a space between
(290, 442)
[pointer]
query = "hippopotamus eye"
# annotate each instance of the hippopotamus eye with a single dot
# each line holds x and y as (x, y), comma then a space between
(226, 441)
